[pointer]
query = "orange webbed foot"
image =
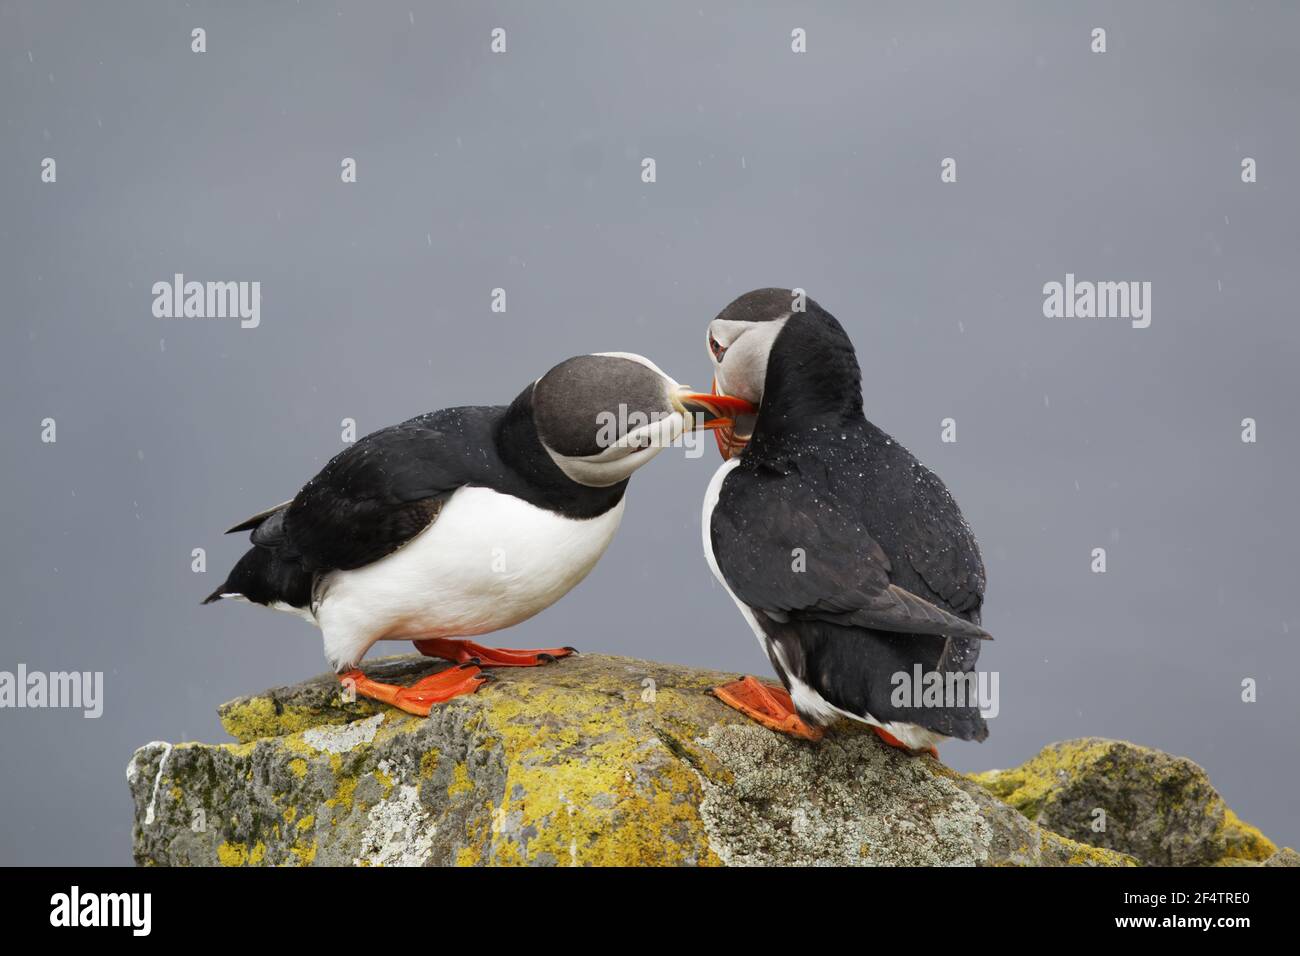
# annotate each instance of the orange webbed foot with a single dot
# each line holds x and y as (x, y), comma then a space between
(419, 698)
(464, 652)
(770, 706)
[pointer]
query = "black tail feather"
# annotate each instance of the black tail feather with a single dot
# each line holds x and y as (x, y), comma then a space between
(249, 524)
(855, 670)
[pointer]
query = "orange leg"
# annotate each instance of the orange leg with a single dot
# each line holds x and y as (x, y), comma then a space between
(770, 706)
(420, 697)
(893, 741)
(463, 652)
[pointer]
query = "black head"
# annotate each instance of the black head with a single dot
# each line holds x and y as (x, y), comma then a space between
(600, 417)
(782, 351)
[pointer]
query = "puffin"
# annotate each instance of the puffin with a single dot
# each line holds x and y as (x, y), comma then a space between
(848, 558)
(464, 521)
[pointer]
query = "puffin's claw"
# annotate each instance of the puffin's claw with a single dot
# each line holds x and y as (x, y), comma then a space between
(770, 706)
(467, 651)
(419, 698)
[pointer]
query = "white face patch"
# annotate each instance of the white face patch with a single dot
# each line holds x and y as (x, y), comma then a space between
(747, 346)
(640, 360)
(631, 426)
(624, 456)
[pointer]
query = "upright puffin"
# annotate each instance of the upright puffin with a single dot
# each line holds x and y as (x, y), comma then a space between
(849, 559)
(467, 520)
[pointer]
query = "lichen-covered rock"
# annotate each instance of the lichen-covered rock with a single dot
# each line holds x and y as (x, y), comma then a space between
(1284, 857)
(590, 760)
(1159, 808)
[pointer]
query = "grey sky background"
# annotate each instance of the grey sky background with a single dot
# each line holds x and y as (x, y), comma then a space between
(523, 171)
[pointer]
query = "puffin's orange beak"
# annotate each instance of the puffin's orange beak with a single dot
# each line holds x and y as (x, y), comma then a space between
(729, 443)
(719, 411)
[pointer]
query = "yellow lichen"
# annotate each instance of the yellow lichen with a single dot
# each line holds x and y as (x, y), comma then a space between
(428, 764)
(255, 717)
(1027, 786)
(295, 743)
(298, 767)
(343, 791)
(232, 854)
(460, 782)
(624, 801)
(1081, 854)
(239, 750)
(304, 855)
(1243, 841)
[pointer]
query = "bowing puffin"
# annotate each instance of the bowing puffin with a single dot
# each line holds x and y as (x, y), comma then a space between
(848, 558)
(465, 521)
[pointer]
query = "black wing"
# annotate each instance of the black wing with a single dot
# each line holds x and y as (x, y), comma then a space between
(367, 502)
(789, 549)
(376, 495)
(940, 546)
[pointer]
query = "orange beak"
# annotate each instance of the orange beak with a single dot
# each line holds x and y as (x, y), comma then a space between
(729, 443)
(713, 411)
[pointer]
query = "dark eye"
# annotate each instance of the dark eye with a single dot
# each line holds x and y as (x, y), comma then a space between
(717, 350)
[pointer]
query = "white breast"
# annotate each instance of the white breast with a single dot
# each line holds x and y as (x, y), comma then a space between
(488, 562)
(710, 502)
